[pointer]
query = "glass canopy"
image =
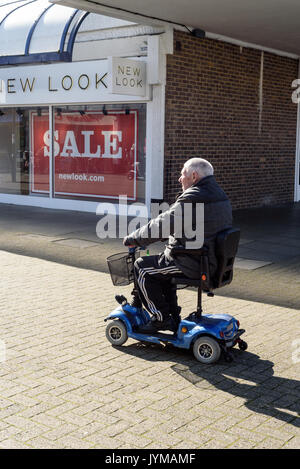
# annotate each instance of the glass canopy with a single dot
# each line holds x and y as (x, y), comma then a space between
(37, 31)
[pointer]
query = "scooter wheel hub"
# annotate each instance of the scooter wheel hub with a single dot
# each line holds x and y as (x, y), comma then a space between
(205, 351)
(115, 333)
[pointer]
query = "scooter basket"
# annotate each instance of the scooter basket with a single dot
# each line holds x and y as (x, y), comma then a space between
(121, 268)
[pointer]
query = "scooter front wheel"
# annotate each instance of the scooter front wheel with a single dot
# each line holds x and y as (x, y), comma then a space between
(206, 350)
(242, 345)
(116, 333)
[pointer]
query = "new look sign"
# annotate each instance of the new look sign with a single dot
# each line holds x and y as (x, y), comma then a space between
(127, 76)
(77, 82)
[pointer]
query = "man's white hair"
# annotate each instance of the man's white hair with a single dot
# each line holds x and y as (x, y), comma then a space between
(202, 167)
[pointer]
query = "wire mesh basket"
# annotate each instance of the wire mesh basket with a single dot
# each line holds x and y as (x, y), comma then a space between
(121, 268)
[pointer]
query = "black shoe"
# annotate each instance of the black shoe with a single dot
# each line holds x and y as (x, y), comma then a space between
(168, 324)
(150, 328)
(153, 326)
(175, 310)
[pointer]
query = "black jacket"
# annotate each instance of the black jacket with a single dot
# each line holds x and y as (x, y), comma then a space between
(217, 217)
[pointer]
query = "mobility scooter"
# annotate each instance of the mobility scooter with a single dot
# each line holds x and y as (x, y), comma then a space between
(208, 335)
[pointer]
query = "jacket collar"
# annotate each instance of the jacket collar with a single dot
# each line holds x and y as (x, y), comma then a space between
(203, 181)
(197, 184)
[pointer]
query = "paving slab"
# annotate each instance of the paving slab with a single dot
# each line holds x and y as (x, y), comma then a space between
(75, 243)
(249, 264)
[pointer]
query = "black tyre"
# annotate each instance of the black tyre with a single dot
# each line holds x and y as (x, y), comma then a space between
(116, 333)
(242, 345)
(206, 350)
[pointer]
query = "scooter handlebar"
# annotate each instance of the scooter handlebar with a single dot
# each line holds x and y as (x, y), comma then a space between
(133, 249)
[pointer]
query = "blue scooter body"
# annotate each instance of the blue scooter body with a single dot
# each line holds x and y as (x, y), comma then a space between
(223, 327)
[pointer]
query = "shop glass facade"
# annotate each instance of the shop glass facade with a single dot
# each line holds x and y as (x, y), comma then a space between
(98, 151)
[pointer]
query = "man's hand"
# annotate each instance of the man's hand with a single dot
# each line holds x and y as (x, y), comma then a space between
(128, 241)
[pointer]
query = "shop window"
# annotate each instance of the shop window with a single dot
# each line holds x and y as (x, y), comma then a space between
(100, 152)
(19, 171)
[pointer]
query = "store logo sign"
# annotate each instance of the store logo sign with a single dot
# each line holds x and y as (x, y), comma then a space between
(65, 82)
(72, 83)
(126, 76)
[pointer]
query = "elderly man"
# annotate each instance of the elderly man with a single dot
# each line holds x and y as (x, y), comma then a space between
(154, 273)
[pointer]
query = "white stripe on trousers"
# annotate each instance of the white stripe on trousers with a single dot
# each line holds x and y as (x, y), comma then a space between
(141, 283)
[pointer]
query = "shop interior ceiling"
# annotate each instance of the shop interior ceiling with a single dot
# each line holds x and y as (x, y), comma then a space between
(271, 24)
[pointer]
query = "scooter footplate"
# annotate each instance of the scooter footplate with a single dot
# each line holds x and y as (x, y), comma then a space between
(162, 336)
(155, 338)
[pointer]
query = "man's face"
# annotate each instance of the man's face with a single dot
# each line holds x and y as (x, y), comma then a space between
(187, 178)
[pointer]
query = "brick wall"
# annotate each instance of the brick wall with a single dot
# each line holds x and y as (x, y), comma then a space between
(212, 111)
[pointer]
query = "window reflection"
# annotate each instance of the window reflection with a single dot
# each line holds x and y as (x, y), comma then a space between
(16, 152)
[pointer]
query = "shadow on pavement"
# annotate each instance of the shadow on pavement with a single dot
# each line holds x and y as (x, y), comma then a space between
(247, 377)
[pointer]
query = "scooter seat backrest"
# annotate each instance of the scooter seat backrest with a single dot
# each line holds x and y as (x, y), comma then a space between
(226, 247)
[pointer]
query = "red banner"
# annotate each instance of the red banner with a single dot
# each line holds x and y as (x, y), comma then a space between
(95, 154)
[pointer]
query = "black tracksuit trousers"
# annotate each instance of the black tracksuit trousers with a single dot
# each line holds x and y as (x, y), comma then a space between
(153, 279)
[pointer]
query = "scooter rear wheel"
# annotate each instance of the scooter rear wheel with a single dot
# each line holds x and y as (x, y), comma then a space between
(206, 350)
(116, 333)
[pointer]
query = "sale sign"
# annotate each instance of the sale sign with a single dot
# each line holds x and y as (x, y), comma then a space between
(94, 154)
